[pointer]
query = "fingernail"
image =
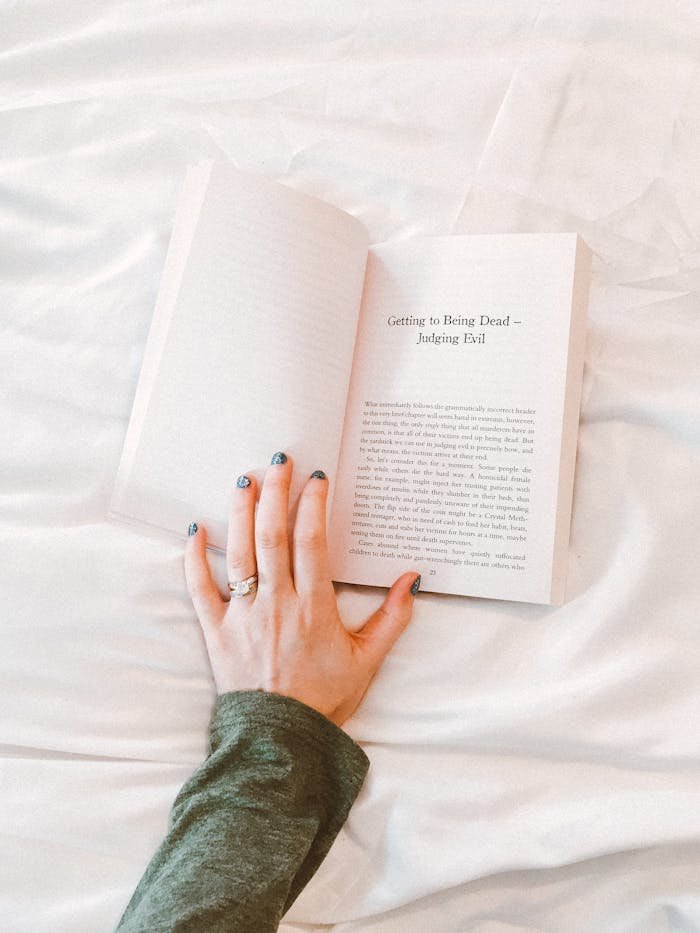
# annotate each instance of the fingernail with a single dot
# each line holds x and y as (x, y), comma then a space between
(279, 457)
(242, 482)
(192, 529)
(318, 474)
(415, 585)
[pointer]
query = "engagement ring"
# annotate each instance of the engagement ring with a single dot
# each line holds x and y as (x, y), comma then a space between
(244, 587)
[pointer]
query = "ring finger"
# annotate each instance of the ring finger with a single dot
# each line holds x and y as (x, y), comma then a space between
(240, 543)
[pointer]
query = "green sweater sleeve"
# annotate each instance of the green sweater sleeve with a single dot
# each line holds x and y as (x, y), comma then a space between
(253, 823)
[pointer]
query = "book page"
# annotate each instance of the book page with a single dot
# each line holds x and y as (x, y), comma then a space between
(453, 433)
(249, 352)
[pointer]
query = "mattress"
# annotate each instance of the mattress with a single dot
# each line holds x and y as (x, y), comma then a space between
(532, 768)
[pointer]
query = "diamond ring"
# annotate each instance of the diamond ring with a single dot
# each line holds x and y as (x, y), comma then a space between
(244, 587)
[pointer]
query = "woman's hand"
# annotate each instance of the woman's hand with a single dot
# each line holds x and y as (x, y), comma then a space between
(287, 637)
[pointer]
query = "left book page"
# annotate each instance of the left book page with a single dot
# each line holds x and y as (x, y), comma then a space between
(250, 349)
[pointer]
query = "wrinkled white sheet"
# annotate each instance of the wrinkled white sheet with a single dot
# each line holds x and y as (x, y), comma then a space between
(532, 768)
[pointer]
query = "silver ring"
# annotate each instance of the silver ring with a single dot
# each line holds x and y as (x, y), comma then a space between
(244, 587)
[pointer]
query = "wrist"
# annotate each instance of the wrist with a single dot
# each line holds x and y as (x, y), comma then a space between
(259, 712)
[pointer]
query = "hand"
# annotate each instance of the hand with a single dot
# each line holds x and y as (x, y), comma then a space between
(288, 637)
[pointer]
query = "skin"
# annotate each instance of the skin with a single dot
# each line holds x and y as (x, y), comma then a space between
(288, 637)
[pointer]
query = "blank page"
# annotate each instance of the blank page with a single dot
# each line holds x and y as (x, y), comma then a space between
(249, 352)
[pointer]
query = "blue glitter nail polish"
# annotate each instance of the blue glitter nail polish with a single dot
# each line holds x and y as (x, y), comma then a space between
(242, 482)
(279, 457)
(318, 474)
(192, 529)
(415, 585)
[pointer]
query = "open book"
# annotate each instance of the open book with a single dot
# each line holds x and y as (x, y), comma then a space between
(436, 381)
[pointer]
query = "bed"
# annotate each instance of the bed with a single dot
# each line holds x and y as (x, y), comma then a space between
(533, 768)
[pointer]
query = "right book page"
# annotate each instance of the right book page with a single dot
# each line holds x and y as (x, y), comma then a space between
(459, 443)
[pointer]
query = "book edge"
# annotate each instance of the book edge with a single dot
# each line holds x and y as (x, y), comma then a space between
(580, 288)
(151, 530)
(191, 196)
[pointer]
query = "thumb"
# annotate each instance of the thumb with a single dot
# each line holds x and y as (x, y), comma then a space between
(385, 625)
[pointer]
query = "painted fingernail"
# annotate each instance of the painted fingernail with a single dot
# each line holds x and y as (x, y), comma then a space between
(279, 457)
(415, 585)
(192, 529)
(318, 474)
(242, 482)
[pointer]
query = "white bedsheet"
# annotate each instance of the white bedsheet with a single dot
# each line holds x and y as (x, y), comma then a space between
(532, 768)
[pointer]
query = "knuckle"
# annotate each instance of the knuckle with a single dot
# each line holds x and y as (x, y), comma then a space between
(274, 618)
(311, 539)
(271, 538)
(237, 558)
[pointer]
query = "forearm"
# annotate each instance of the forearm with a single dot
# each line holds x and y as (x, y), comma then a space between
(252, 825)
